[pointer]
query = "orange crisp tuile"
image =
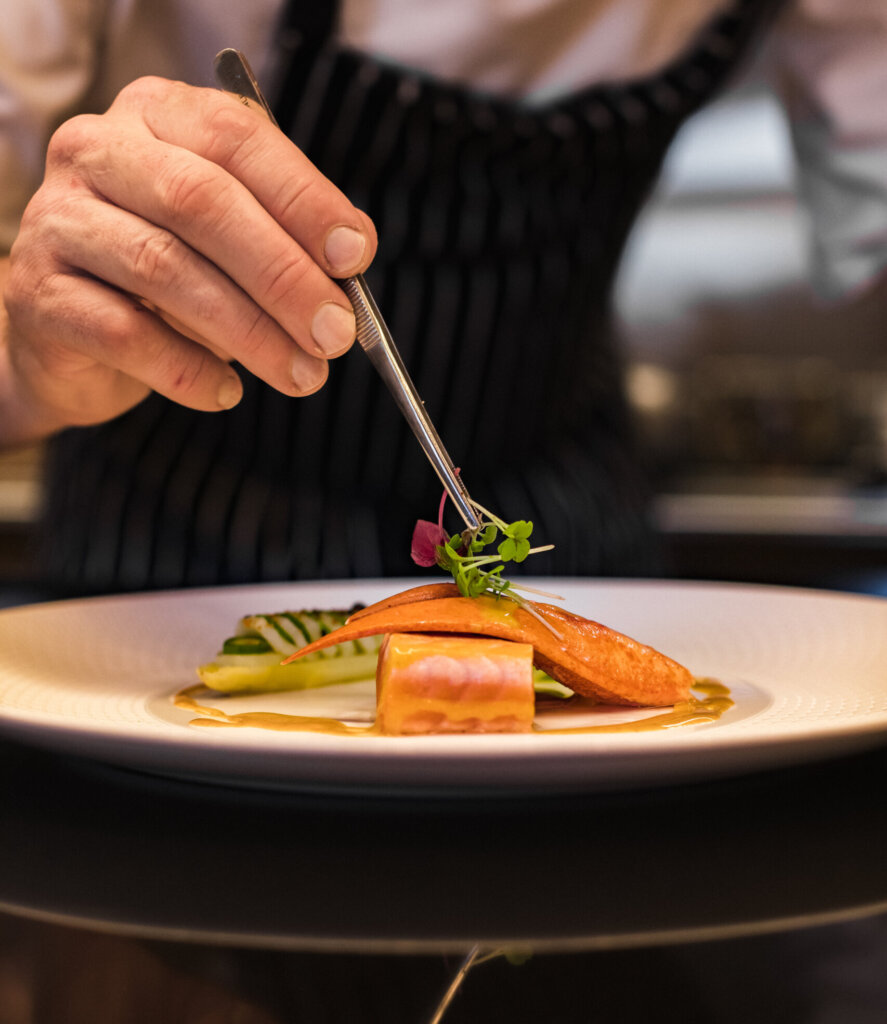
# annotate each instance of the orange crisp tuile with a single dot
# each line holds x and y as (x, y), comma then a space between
(589, 658)
(449, 684)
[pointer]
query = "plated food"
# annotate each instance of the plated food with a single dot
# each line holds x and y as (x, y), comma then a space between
(446, 663)
(106, 684)
(460, 657)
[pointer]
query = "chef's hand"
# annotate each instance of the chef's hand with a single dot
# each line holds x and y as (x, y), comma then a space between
(172, 235)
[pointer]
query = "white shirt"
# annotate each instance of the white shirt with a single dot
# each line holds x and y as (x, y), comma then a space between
(58, 57)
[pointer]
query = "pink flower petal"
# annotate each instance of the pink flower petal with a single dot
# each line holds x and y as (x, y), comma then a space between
(426, 538)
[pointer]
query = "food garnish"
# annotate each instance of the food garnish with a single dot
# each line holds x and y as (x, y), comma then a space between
(462, 554)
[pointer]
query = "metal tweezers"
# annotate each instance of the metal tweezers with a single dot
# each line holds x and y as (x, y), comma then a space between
(234, 75)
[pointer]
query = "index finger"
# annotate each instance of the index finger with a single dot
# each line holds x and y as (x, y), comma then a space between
(338, 236)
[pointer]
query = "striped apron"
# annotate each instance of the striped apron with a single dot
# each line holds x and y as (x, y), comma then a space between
(501, 227)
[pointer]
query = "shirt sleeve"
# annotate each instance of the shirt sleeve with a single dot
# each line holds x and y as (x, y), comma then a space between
(48, 53)
(830, 60)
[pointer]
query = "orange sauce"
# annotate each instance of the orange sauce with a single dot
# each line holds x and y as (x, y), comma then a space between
(713, 700)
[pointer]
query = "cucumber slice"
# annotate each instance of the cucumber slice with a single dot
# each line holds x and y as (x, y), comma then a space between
(250, 661)
(300, 675)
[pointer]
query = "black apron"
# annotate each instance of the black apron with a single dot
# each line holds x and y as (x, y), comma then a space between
(501, 227)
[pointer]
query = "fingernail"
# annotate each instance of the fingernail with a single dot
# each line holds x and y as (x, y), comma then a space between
(230, 392)
(308, 374)
(344, 249)
(333, 328)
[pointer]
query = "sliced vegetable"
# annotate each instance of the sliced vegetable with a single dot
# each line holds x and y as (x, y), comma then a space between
(250, 661)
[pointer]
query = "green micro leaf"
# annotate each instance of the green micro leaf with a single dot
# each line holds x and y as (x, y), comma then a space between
(476, 572)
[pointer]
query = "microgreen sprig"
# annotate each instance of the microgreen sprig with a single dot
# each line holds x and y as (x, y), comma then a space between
(476, 570)
(463, 555)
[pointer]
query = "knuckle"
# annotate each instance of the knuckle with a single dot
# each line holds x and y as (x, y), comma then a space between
(134, 338)
(230, 128)
(57, 209)
(153, 259)
(192, 190)
(34, 283)
(146, 90)
(285, 277)
(181, 369)
(21, 288)
(23, 291)
(188, 372)
(121, 328)
(252, 334)
(295, 196)
(71, 139)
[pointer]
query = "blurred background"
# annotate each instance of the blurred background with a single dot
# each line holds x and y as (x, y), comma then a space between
(763, 412)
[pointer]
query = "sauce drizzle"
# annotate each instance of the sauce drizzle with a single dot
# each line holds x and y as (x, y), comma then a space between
(713, 700)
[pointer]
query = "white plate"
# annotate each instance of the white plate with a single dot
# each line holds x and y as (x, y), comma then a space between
(807, 669)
